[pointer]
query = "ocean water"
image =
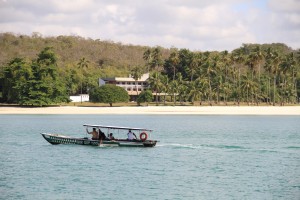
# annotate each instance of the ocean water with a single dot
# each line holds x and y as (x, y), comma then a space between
(198, 157)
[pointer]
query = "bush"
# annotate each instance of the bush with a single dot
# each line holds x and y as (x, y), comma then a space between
(108, 94)
(145, 96)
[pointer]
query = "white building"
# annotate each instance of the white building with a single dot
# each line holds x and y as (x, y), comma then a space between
(132, 86)
(80, 98)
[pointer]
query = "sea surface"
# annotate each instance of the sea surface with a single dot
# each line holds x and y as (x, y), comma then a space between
(197, 157)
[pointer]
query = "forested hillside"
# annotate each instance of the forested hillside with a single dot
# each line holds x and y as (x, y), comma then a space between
(104, 56)
(252, 73)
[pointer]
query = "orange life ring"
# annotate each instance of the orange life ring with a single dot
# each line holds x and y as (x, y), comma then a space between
(143, 136)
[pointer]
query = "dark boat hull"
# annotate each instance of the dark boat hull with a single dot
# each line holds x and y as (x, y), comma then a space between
(62, 139)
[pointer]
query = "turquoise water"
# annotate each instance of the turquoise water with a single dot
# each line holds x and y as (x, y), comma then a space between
(198, 157)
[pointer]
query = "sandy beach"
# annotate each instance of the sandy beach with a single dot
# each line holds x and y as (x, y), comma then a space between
(153, 110)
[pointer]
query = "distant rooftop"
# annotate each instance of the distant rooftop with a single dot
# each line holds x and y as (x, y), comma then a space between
(144, 77)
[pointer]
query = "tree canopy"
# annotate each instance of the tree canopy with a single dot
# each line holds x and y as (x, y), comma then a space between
(108, 94)
(253, 74)
(145, 96)
(33, 83)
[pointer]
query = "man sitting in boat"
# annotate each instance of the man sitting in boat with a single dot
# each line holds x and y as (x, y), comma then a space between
(94, 133)
(111, 137)
(131, 135)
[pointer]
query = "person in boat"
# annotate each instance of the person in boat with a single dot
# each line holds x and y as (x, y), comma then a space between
(94, 134)
(131, 135)
(111, 137)
(102, 136)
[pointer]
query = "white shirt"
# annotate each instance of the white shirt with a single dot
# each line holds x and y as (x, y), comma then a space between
(130, 135)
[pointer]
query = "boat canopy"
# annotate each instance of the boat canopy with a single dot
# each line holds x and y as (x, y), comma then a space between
(117, 127)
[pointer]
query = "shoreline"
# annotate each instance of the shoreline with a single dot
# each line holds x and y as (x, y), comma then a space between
(157, 110)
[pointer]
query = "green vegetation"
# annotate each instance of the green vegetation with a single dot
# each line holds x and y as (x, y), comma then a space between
(253, 74)
(39, 71)
(145, 96)
(108, 94)
(33, 83)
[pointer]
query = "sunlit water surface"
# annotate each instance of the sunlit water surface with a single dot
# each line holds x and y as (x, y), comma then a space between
(198, 157)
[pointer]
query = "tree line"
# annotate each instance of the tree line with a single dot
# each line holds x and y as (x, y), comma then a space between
(43, 71)
(253, 74)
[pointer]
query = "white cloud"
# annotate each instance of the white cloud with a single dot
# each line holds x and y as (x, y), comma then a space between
(194, 24)
(67, 6)
(285, 6)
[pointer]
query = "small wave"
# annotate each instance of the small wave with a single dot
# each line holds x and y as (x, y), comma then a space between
(266, 151)
(293, 147)
(296, 186)
(224, 146)
(230, 147)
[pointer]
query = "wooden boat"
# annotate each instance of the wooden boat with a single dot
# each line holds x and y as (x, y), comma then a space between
(142, 141)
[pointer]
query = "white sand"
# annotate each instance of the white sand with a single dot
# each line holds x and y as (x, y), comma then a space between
(193, 110)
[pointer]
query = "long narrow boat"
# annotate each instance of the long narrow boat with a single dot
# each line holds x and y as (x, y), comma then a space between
(141, 141)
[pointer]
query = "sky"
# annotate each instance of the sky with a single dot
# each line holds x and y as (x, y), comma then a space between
(198, 25)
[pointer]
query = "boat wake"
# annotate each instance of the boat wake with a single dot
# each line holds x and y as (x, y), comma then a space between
(227, 147)
(176, 145)
(201, 146)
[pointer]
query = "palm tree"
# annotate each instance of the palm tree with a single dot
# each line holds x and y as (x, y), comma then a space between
(156, 84)
(165, 86)
(210, 72)
(254, 60)
(174, 88)
(136, 74)
(185, 60)
(239, 60)
(275, 71)
(194, 91)
(296, 69)
(269, 69)
(83, 63)
(226, 88)
(217, 78)
(183, 92)
(284, 68)
(226, 61)
(197, 60)
(249, 86)
(204, 87)
(292, 61)
(181, 89)
(258, 58)
(174, 62)
(272, 66)
(157, 61)
(147, 57)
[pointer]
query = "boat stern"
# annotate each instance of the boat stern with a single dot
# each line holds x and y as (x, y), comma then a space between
(149, 143)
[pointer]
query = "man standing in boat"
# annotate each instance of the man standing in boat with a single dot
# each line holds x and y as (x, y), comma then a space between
(131, 135)
(94, 133)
